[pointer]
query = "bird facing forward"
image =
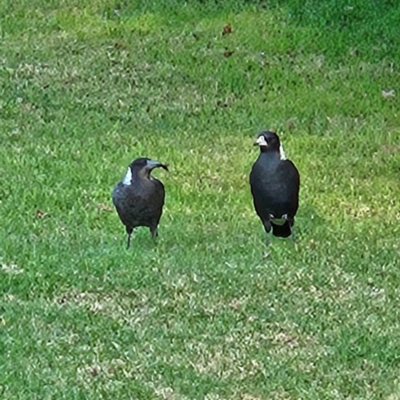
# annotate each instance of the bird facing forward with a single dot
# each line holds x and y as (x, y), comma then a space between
(139, 198)
(275, 185)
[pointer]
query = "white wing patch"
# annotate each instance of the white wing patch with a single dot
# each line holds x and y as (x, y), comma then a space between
(282, 152)
(128, 177)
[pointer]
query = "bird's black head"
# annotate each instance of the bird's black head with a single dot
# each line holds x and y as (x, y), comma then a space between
(146, 164)
(141, 167)
(268, 141)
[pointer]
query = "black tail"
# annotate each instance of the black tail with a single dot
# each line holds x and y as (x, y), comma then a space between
(284, 230)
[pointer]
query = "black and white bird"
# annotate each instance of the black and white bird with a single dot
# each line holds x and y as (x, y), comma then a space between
(275, 185)
(139, 198)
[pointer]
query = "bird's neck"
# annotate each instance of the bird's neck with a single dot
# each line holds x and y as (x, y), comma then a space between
(270, 152)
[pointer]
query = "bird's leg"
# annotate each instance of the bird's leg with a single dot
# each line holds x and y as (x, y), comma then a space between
(154, 232)
(291, 223)
(267, 225)
(267, 244)
(129, 232)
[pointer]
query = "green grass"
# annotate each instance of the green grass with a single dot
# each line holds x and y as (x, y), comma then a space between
(84, 89)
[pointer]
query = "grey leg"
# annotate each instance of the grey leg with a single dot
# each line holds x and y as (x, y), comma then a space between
(154, 232)
(129, 232)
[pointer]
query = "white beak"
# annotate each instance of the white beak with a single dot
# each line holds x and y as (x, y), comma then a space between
(261, 141)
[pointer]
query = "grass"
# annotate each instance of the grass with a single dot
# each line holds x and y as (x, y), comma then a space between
(88, 86)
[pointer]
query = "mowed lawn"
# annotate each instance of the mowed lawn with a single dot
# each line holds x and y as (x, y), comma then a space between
(88, 86)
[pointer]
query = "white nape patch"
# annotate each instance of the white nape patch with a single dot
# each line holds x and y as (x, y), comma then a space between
(282, 152)
(278, 221)
(128, 177)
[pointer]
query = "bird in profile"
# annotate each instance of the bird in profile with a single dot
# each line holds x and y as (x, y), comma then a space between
(275, 185)
(139, 198)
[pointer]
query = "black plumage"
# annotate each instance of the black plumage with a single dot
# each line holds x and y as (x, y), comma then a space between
(275, 185)
(139, 198)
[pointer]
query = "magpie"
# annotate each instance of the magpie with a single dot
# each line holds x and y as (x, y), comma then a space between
(139, 198)
(275, 185)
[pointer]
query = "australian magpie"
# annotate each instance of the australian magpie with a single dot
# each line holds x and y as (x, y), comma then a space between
(275, 184)
(139, 198)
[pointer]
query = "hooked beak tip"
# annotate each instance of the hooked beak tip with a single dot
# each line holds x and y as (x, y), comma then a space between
(156, 164)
